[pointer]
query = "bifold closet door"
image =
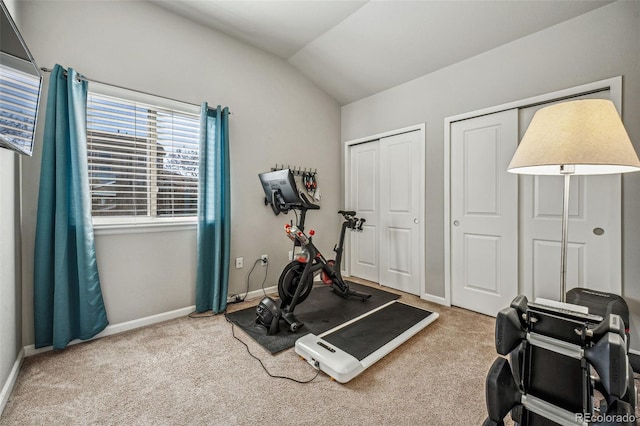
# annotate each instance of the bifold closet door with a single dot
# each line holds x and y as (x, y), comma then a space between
(386, 178)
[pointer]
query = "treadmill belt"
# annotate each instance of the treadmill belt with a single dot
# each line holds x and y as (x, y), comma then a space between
(365, 336)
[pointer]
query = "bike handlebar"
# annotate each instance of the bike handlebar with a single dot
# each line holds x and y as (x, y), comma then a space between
(352, 221)
(306, 204)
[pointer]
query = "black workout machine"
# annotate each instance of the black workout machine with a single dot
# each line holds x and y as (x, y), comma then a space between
(350, 348)
(556, 358)
(296, 280)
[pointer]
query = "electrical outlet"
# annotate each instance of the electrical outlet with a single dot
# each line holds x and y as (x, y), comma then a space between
(265, 259)
(239, 262)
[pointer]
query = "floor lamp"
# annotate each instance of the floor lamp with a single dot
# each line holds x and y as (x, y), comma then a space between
(582, 137)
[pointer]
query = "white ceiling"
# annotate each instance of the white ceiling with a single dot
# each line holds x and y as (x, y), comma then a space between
(353, 49)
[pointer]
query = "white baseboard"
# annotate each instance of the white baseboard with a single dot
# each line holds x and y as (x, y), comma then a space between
(435, 299)
(634, 351)
(119, 328)
(11, 381)
(256, 293)
(141, 322)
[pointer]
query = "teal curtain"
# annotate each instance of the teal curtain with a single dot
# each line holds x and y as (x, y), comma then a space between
(214, 213)
(67, 298)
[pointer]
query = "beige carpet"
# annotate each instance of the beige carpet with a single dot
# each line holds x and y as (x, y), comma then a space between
(192, 371)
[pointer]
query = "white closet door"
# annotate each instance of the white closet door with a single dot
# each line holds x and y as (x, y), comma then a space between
(401, 231)
(387, 189)
(364, 172)
(484, 212)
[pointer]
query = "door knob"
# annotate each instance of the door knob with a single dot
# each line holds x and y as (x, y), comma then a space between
(415, 220)
(598, 231)
(456, 223)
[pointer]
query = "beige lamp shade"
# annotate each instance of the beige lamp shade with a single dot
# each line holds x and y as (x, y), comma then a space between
(586, 135)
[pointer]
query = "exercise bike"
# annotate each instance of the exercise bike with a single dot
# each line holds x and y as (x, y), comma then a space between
(296, 280)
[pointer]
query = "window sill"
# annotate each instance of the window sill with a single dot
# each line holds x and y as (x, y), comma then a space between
(112, 228)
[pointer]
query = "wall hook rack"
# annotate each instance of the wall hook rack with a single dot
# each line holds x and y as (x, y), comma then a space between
(296, 170)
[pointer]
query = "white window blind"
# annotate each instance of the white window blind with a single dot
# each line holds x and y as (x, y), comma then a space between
(143, 159)
(18, 103)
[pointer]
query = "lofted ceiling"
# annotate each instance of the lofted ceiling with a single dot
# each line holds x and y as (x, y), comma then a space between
(353, 49)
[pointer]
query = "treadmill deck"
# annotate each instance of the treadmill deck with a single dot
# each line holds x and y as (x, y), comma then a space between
(348, 349)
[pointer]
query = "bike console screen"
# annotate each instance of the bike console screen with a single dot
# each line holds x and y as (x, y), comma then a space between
(280, 190)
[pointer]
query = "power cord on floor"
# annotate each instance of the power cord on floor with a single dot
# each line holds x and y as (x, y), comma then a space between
(262, 364)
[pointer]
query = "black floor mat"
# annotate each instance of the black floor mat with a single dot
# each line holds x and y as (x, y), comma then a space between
(322, 311)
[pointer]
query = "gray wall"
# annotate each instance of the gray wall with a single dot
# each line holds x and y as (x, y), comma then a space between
(10, 286)
(278, 117)
(10, 304)
(597, 45)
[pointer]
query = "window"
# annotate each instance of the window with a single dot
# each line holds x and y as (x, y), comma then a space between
(143, 160)
(19, 96)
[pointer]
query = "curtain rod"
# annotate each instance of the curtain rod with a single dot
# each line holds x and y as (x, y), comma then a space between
(81, 77)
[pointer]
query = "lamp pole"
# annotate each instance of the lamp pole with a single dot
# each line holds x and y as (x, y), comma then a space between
(565, 171)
